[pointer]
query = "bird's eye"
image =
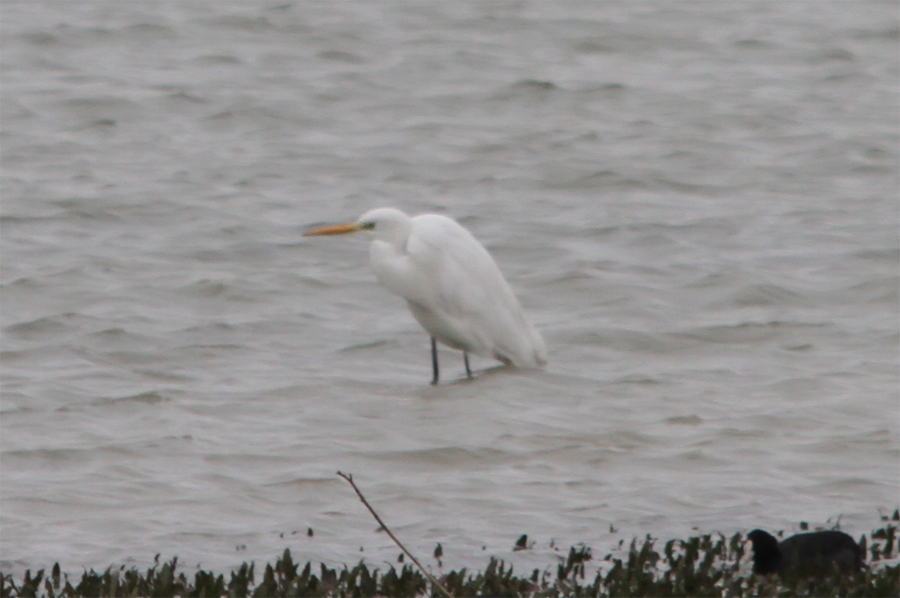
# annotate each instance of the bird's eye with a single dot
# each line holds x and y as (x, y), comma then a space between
(367, 225)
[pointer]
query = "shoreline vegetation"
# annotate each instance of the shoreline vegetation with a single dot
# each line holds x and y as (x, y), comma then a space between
(705, 565)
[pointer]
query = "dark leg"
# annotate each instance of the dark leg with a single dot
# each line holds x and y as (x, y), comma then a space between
(466, 361)
(434, 363)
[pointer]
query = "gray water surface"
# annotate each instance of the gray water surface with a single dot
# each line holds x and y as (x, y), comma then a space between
(696, 202)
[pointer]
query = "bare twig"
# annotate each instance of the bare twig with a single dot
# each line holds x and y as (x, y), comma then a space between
(349, 478)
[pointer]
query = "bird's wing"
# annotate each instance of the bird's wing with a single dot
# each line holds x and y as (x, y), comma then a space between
(470, 301)
(460, 274)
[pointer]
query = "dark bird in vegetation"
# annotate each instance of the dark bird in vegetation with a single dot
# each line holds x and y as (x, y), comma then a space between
(805, 553)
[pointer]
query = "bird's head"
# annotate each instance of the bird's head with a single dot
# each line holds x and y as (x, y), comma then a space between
(388, 224)
(766, 554)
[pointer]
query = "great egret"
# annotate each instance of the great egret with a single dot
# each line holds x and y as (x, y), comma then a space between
(452, 286)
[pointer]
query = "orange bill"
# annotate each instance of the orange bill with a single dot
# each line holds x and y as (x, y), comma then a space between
(341, 229)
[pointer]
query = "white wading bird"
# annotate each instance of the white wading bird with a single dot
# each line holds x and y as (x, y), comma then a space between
(452, 285)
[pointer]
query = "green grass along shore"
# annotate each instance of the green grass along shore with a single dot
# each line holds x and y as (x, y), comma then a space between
(707, 565)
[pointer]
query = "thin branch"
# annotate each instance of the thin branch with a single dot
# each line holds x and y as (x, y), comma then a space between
(349, 478)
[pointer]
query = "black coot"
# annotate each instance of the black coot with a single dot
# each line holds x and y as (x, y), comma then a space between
(807, 553)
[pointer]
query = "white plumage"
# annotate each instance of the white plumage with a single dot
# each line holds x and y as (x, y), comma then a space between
(451, 283)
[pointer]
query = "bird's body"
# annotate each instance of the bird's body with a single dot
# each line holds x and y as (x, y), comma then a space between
(451, 283)
(805, 553)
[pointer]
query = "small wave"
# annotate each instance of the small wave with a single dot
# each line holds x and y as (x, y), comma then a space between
(150, 31)
(47, 455)
(721, 280)
(245, 459)
(147, 398)
(210, 349)
(768, 294)
(451, 455)
(684, 420)
(12, 110)
(597, 179)
(243, 23)
(526, 90)
(165, 376)
(637, 379)
(702, 190)
(745, 332)
(753, 43)
(341, 56)
(98, 108)
(364, 346)
(25, 284)
(570, 275)
(534, 85)
(794, 388)
(130, 358)
(35, 329)
(617, 41)
(186, 98)
(212, 289)
(111, 333)
(8, 356)
(40, 38)
(212, 327)
(832, 55)
(889, 33)
(593, 46)
(620, 339)
(218, 59)
(304, 483)
(886, 290)
(90, 215)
